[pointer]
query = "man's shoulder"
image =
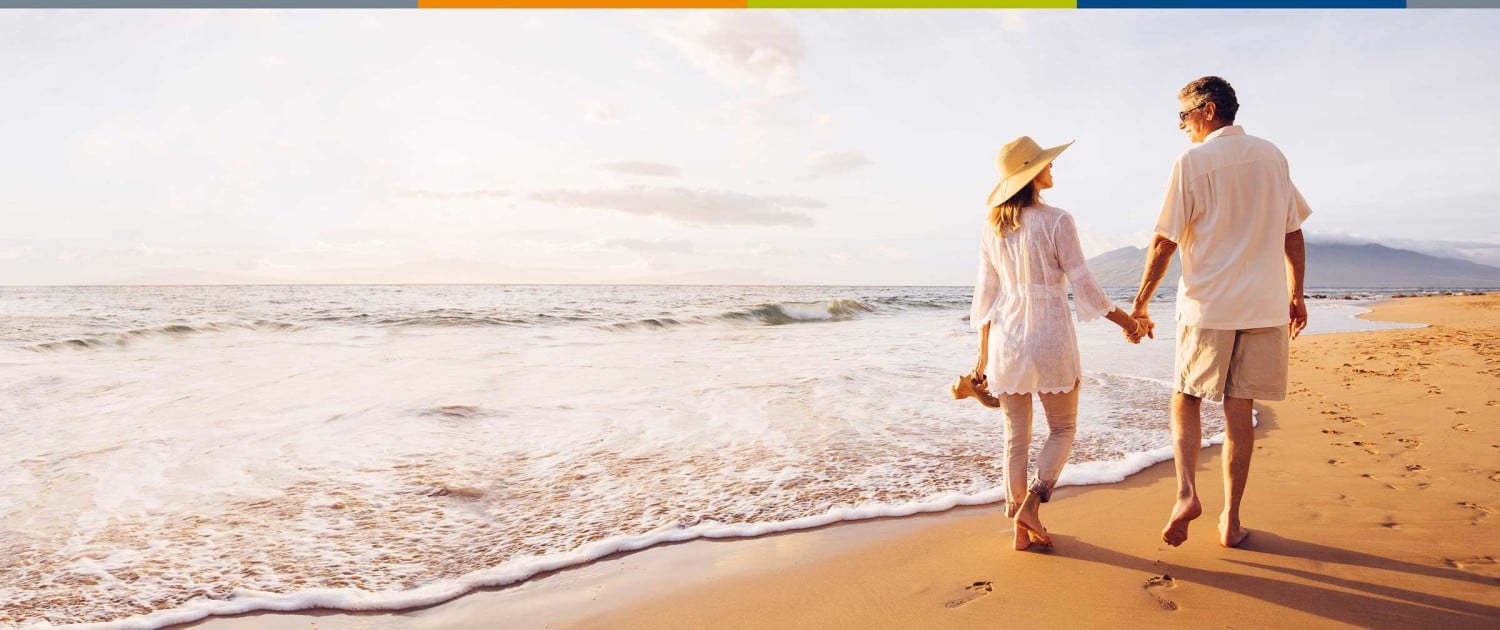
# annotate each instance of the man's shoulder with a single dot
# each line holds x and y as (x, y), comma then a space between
(1260, 143)
(1231, 149)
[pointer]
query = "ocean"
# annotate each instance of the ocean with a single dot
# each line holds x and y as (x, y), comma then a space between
(174, 452)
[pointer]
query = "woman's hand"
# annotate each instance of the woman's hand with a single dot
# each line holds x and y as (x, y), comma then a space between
(1135, 328)
(1144, 327)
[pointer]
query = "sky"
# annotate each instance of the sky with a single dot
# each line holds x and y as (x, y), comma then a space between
(708, 147)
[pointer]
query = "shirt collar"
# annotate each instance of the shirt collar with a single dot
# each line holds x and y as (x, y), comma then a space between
(1226, 130)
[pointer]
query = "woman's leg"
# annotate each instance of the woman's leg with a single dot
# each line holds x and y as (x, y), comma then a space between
(1062, 422)
(1017, 409)
(1062, 425)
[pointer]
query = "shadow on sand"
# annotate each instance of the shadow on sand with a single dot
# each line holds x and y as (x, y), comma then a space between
(1379, 605)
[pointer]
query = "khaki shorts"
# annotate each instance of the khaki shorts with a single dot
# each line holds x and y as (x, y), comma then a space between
(1250, 363)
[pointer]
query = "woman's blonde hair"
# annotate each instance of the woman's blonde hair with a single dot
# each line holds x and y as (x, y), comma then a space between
(1006, 217)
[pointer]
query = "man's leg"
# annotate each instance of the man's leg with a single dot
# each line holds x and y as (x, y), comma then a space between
(1258, 371)
(1239, 443)
(1187, 440)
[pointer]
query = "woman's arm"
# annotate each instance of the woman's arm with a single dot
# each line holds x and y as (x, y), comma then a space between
(1089, 299)
(1133, 328)
(984, 353)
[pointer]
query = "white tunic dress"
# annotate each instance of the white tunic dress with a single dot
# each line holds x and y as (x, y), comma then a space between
(1022, 290)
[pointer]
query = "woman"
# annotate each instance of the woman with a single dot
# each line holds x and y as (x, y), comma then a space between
(1028, 251)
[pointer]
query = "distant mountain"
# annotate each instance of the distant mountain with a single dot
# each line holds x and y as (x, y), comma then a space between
(1328, 265)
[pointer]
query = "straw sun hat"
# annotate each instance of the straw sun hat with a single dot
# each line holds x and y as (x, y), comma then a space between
(1019, 162)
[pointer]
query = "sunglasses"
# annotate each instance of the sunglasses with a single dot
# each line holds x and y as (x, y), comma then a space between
(1182, 116)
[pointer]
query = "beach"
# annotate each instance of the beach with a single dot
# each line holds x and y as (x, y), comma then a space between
(1372, 501)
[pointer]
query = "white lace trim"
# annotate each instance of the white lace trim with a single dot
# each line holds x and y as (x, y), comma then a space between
(1092, 314)
(1040, 390)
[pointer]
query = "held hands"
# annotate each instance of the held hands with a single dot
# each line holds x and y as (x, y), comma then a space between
(1140, 327)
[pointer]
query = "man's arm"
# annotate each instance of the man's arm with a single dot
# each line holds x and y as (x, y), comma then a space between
(1158, 258)
(1296, 268)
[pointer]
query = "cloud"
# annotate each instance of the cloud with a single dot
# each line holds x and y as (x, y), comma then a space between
(698, 207)
(14, 253)
(654, 169)
(600, 112)
(831, 163)
(642, 245)
(468, 195)
(743, 48)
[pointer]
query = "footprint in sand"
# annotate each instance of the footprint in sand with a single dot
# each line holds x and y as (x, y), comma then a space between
(1410, 443)
(1482, 565)
(1336, 462)
(1482, 510)
(1157, 586)
(971, 592)
(1463, 427)
(1495, 477)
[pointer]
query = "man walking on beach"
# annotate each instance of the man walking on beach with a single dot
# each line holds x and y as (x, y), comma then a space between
(1233, 212)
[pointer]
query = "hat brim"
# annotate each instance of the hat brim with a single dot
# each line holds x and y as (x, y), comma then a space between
(1009, 186)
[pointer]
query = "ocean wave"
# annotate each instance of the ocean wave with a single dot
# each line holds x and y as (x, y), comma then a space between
(794, 312)
(124, 338)
(772, 314)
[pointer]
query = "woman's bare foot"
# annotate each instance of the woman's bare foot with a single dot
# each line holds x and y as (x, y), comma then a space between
(1022, 541)
(1029, 520)
(1231, 534)
(1176, 531)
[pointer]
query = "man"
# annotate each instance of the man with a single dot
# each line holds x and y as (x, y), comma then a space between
(1232, 211)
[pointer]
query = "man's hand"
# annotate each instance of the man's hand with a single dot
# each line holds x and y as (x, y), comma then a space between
(1148, 327)
(1142, 317)
(1140, 327)
(1298, 315)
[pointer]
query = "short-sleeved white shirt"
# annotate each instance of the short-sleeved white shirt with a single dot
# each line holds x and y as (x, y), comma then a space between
(1229, 206)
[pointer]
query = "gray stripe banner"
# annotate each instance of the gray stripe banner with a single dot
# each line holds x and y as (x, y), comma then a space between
(1452, 4)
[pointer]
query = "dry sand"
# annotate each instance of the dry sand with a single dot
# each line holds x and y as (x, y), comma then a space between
(1374, 500)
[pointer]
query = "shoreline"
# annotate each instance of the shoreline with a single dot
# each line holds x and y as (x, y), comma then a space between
(661, 586)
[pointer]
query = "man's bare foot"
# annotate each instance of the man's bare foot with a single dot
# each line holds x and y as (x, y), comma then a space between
(1176, 531)
(1232, 536)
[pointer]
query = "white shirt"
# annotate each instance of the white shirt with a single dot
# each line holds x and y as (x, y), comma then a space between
(1229, 206)
(1021, 292)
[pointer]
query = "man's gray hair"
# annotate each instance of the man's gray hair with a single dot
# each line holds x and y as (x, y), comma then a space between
(1216, 91)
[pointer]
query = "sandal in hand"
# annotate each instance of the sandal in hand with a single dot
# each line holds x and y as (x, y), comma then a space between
(976, 387)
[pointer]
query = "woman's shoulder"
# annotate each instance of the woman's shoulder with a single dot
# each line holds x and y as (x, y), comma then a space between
(1049, 214)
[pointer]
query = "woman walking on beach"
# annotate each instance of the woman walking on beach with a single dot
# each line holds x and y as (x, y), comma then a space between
(1029, 254)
